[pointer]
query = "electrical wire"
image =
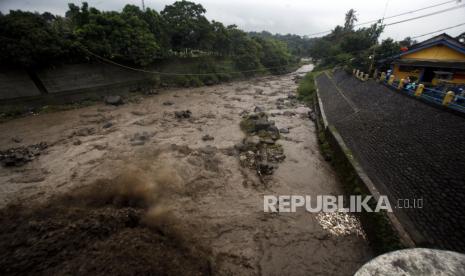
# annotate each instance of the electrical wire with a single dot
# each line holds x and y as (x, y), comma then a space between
(448, 28)
(235, 72)
(425, 15)
(405, 13)
(284, 66)
(177, 74)
(389, 17)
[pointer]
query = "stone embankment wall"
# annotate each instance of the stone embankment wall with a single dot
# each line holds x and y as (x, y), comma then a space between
(64, 80)
(410, 150)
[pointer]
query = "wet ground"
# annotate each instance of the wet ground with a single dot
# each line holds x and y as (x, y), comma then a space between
(135, 188)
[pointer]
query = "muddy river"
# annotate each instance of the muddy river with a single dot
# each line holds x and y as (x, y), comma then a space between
(138, 189)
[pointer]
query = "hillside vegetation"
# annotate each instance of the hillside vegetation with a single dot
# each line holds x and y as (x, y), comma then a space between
(135, 37)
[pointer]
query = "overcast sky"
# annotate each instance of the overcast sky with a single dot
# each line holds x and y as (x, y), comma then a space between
(301, 17)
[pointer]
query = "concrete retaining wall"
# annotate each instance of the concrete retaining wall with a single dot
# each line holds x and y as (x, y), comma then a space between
(16, 84)
(82, 76)
(73, 79)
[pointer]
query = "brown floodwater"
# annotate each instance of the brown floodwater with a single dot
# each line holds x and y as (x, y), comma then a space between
(190, 197)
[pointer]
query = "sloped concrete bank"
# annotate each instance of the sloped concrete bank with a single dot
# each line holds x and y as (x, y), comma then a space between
(383, 230)
(63, 80)
(408, 149)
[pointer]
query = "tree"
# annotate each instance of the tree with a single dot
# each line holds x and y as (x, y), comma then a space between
(124, 36)
(78, 16)
(136, 37)
(274, 54)
(27, 39)
(320, 49)
(188, 25)
(385, 50)
(407, 42)
(221, 39)
(245, 50)
(156, 25)
(350, 20)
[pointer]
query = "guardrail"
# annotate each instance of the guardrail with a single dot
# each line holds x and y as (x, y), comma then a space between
(447, 99)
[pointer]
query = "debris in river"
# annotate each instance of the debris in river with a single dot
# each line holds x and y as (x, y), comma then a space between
(21, 155)
(259, 149)
(184, 114)
(140, 139)
(284, 130)
(340, 224)
(207, 137)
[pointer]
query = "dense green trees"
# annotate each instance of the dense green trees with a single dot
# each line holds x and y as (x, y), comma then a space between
(133, 36)
(352, 47)
(28, 39)
(298, 46)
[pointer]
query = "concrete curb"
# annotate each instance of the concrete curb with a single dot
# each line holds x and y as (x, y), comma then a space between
(338, 142)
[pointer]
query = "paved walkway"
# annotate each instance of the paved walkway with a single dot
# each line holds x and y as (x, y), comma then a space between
(409, 149)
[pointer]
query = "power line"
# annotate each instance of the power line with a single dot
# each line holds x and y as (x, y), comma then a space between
(372, 63)
(234, 72)
(425, 15)
(408, 12)
(451, 27)
(177, 74)
(391, 16)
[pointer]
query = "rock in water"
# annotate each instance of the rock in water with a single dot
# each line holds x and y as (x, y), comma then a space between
(114, 100)
(284, 130)
(291, 96)
(264, 168)
(21, 155)
(184, 114)
(207, 137)
(258, 109)
(107, 125)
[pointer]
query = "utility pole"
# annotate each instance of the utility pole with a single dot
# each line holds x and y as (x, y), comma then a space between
(143, 5)
(374, 48)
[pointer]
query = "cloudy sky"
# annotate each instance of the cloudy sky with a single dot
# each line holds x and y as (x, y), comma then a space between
(301, 17)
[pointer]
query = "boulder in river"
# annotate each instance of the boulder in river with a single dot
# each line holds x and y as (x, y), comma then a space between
(183, 114)
(207, 137)
(258, 109)
(114, 100)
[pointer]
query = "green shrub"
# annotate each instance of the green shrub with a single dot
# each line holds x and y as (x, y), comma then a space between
(306, 89)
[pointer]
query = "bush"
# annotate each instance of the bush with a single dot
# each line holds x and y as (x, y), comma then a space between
(306, 89)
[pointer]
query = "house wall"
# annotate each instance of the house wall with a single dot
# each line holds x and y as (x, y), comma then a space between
(458, 78)
(438, 52)
(402, 75)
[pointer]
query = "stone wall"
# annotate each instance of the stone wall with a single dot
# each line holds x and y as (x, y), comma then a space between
(409, 149)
